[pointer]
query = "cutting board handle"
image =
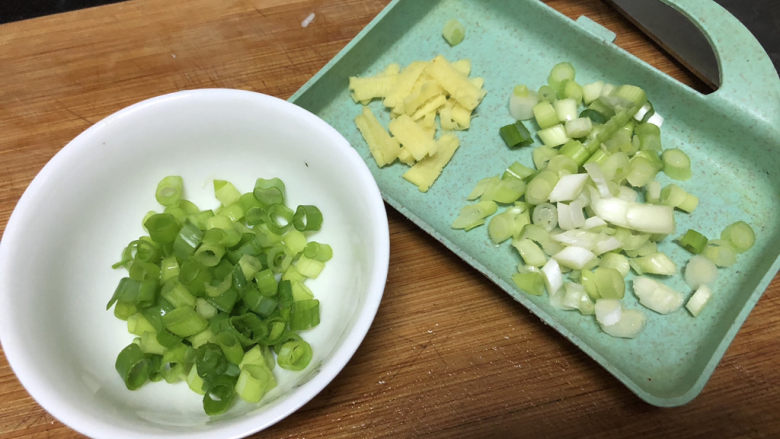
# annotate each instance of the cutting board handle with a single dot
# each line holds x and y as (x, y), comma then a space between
(748, 77)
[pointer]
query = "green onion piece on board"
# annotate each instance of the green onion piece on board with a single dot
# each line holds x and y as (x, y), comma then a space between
(565, 109)
(575, 150)
(617, 261)
(675, 196)
(539, 188)
(571, 90)
(677, 165)
(518, 170)
(609, 283)
(530, 282)
(700, 271)
(474, 215)
(593, 115)
(482, 186)
(545, 215)
(720, 252)
(588, 280)
(654, 263)
(740, 235)
(506, 190)
(649, 136)
(542, 155)
(693, 241)
(453, 32)
(531, 253)
(600, 107)
(698, 300)
(559, 74)
(546, 93)
(553, 136)
(544, 114)
(508, 223)
(642, 169)
(521, 102)
(515, 135)
(592, 91)
(579, 127)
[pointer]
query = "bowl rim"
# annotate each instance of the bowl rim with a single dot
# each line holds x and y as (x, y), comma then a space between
(14, 346)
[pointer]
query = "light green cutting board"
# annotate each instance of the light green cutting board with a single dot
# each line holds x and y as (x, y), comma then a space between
(731, 136)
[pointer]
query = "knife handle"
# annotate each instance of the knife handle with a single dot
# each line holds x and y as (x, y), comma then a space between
(748, 77)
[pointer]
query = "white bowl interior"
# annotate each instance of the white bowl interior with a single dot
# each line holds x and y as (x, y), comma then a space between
(87, 204)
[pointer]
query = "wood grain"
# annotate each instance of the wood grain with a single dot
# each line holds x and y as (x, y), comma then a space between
(449, 354)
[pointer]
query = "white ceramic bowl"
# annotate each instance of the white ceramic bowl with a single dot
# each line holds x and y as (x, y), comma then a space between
(87, 203)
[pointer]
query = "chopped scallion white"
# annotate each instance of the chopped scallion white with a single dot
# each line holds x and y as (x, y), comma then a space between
(697, 301)
(521, 103)
(700, 271)
(574, 257)
(656, 296)
(553, 277)
(568, 187)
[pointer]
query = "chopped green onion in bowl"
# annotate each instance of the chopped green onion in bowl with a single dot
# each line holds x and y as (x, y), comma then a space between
(225, 298)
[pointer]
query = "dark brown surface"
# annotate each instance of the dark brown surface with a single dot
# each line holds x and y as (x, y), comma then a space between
(449, 355)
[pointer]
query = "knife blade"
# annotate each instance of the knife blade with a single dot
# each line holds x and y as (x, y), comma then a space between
(675, 33)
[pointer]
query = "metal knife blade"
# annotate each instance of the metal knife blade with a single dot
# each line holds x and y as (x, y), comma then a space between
(677, 35)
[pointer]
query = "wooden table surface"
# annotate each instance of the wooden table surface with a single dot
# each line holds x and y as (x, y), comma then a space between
(449, 354)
